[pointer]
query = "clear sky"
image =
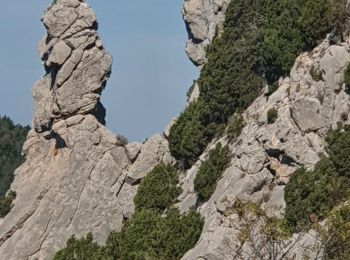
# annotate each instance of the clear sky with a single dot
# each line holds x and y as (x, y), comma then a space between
(151, 72)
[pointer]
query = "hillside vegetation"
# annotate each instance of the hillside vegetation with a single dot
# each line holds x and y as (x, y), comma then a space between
(12, 138)
(259, 44)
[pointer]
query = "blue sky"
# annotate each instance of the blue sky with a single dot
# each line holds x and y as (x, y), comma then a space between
(151, 72)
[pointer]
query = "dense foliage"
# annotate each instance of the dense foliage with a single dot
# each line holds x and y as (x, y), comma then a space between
(347, 78)
(310, 195)
(259, 44)
(272, 115)
(158, 190)
(156, 231)
(12, 138)
(210, 172)
(149, 235)
(82, 249)
(6, 203)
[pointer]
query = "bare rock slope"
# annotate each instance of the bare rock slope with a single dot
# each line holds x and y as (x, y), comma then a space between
(78, 177)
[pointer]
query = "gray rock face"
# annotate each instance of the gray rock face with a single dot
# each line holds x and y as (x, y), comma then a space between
(204, 20)
(265, 155)
(75, 177)
(76, 63)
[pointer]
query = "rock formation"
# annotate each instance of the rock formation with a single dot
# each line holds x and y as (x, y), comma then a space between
(78, 177)
(204, 20)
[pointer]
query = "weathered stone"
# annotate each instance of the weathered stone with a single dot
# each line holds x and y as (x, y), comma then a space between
(67, 69)
(43, 102)
(59, 18)
(204, 20)
(59, 54)
(133, 150)
(153, 152)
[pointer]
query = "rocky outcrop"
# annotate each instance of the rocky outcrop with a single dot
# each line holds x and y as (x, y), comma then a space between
(78, 177)
(265, 155)
(204, 20)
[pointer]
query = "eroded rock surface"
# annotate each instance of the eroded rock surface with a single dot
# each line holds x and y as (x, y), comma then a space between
(74, 179)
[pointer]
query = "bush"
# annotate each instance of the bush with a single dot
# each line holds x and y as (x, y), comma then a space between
(156, 231)
(210, 172)
(259, 44)
(310, 195)
(149, 235)
(272, 115)
(82, 249)
(347, 78)
(6, 203)
(235, 126)
(337, 239)
(158, 190)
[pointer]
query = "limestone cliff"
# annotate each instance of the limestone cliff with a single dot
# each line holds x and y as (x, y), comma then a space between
(78, 177)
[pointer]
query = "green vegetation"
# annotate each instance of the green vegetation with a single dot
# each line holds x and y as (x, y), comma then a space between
(261, 234)
(337, 235)
(272, 115)
(82, 249)
(235, 126)
(210, 172)
(158, 190)
(149, 235)
(12, 138)
(347, 78)
(6, 203)
(156, 231)
(260, 43)
(311, 195)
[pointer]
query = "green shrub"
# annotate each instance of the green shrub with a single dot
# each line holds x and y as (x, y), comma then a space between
(337, 239)
(149, 235)
(210, 172)
(235, 126)
(158, 190)
(188, 137)
(82, 249)
(272, 115)
(6, 203)
(347, 78)
(310, 195)
(259, 44)
(190, 90)
(12, 138)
